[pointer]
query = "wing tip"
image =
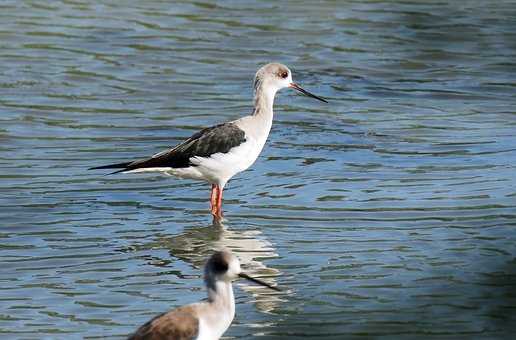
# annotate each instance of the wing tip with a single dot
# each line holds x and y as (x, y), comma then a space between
(124, 165)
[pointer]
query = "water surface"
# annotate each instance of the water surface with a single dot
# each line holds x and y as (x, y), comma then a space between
(389, 211)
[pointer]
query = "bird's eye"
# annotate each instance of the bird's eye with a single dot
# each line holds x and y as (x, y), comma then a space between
(284, 74)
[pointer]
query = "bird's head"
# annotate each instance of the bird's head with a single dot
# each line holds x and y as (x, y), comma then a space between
(275, 76)
(224, 266)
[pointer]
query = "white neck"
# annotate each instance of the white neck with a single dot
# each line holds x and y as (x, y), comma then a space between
(264, 100)
(221, 292)
(263, 108)
(221, 307)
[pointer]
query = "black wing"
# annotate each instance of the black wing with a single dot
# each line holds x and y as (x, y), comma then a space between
(208, 141)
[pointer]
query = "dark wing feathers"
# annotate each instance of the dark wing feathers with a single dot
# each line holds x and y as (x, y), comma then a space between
(208, 141)
(179, 324)
(112, 166)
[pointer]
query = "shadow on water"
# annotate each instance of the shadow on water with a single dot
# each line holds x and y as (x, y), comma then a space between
(500, 285)
(195, 244)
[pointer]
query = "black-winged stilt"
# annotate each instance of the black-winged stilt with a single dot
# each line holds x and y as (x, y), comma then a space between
(202, 320)
(217, 153)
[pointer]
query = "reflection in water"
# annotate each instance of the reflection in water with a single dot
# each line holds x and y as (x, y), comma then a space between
(196, 244)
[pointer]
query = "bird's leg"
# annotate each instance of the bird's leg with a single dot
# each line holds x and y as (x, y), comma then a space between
(213, 199)
(219, 201)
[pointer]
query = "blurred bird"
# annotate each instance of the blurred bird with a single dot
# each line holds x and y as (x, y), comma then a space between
(203, 320)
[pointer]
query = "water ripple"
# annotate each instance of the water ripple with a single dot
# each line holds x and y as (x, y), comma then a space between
(388, 212)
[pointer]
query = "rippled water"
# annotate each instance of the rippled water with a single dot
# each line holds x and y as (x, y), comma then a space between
(389, 211)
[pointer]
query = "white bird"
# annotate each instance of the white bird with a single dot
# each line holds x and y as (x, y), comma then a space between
(217, 153)
(203, 320)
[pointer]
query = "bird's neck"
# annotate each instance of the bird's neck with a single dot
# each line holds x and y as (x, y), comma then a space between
(261, 120)
(264, 101)
(220, 295)
(221, 302)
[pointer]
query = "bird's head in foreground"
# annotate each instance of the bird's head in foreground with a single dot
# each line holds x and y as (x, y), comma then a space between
(224, 266)
(275, 76)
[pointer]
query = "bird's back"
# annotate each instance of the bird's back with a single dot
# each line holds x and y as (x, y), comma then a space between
(179, 324)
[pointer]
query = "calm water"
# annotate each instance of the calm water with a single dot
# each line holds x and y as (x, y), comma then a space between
(390, 211)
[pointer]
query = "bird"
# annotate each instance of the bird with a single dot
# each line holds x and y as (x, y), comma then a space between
(215, 154)
(202, 320)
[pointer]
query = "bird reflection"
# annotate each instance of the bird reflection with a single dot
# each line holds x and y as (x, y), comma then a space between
(196, 244)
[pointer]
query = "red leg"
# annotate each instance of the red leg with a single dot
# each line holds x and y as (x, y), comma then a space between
(213, 199)
(219, 201)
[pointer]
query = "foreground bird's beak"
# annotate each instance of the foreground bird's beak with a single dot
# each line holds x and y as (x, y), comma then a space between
(306, 93)
(260, 282)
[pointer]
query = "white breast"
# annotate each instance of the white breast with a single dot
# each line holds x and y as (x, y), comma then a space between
(220, 167)
(213, 331)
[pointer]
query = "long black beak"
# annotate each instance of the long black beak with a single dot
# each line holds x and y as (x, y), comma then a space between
(306, 93)
(260, 282)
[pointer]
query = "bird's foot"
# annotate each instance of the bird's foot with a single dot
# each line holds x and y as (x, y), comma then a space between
(217, 221)
(218, 215)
